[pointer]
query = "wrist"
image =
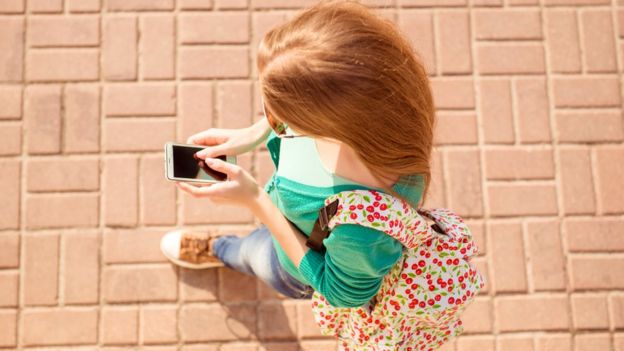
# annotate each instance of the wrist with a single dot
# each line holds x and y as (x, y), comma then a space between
(257, 205)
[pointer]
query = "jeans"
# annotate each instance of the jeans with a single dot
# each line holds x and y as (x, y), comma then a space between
(255, 255)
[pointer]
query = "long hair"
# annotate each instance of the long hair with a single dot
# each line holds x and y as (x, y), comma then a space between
(338, 70)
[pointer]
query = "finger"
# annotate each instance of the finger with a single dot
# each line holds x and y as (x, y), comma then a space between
(222, 166)
(212, 190)
(212, 136)
(212, 151)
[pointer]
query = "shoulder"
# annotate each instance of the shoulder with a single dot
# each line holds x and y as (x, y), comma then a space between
(356, 234)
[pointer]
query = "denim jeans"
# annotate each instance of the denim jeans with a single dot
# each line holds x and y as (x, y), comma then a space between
(255, 255)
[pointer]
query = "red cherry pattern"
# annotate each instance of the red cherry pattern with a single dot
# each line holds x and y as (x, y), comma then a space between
(419, 304)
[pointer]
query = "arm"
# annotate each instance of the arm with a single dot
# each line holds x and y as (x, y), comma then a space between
(259, 132)
(289, 237)
(355, 262)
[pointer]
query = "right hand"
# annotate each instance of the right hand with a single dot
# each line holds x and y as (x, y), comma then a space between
(219, 141)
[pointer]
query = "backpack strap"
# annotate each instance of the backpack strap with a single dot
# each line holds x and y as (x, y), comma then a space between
(372, 209)
(320, 231)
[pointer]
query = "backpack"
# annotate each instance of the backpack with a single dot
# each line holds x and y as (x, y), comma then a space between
(419, 303)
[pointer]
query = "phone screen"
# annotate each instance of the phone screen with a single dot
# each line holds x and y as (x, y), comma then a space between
(186, 165)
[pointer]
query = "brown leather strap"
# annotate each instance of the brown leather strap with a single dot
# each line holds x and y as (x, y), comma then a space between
(320, 231)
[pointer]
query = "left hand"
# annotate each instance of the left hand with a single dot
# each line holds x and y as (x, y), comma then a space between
(239, 189)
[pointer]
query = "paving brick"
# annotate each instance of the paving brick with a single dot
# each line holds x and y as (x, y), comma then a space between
(575, 2)
(234, 105)
(75, 6)
(132, 245)
(12, 6)
(507, 24)
(522, 199)
(563, 41)
(596, 272)
(514, 343)
(517, 58)
(62, 210)
(81, 126)
(196, 4)
(59, 327)
(577, 185)
(598, 45)
(41, 257)
(553, 342)
(120, 190)
(527, 313)
(203, 211)
(478, 316)
(436, 196)
(454, 42)
(496, 111)
(606, 234)
(228, 323)
(590, 342)
(42, 115)
(46, 30)
(157, 47)
(11, 49)
(277, 320)
(11, 136)
(199, 285)
(532, 107)
(81, 267)
(616, 309)
(456, 128)
(474, 343)
(508, 262)
(236, 286)
(306, 324)
(139, 283)
(417, 27)
(590, 126)
(216, 27)
(157, 195)
(139, 100)
(453, 93)
(9, 249)
(158, 324)
(586, 92)
(120, 325)
(9, 288)
(140, 5)
(280, 346)
(590, 311)
(196, 107)
(10, 102)
(546, 259)
(63, 174)
(51, 65)
(119, 48)
(128, 134)
(10, 190)
(8, 319)
(514, 164)
(231, 4)
(610, 170)
(213, 62)
(464, 183)
(45, 6)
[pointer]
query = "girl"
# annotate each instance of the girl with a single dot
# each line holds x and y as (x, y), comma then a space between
(348, 106)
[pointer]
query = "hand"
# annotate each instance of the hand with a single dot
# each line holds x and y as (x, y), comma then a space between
(229, 141)
(240, 188)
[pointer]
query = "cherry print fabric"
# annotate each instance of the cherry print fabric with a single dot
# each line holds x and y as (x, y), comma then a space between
(420, 301)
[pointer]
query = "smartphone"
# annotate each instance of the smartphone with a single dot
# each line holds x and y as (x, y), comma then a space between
(182, 165)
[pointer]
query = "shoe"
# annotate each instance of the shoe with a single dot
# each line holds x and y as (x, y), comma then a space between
(189, 249)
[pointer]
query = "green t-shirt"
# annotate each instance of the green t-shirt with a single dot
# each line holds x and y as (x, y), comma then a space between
(350, 272)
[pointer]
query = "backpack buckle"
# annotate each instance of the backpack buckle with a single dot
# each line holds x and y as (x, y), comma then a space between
(320, 231)
(326, 213)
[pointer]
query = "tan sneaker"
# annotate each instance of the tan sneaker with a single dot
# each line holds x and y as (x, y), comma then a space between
(190, 249)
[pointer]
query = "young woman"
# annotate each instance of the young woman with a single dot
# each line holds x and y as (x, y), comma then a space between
(348, 106)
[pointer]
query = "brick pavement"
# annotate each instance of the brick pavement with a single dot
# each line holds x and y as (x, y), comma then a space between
(529, 149)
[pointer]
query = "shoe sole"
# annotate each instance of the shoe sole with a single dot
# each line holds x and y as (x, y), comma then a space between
(189, 265)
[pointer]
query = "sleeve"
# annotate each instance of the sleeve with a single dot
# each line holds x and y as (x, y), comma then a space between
(351, 271)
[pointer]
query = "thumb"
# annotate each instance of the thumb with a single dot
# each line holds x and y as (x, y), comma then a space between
(221, 166)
